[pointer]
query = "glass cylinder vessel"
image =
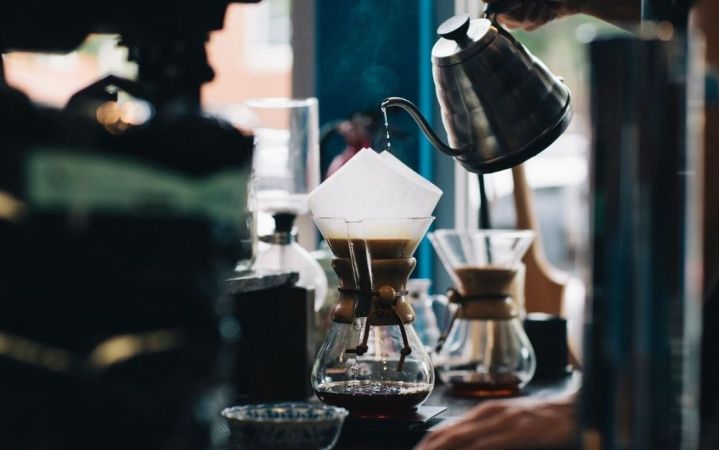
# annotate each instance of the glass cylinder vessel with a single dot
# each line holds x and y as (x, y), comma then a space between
(286, 160)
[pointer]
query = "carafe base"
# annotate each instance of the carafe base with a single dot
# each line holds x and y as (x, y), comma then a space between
(466, 383)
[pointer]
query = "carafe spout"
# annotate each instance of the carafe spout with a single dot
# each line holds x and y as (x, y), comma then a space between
(423, 125)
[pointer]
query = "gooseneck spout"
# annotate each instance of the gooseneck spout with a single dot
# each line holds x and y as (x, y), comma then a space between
(423, 125)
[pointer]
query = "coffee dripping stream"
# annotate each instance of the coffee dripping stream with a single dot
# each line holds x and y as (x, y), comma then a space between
(386, 128)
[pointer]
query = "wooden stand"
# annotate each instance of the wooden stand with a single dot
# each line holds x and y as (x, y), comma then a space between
(547, 289)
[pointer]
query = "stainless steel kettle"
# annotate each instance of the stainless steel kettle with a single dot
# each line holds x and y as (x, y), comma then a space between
(500, 104)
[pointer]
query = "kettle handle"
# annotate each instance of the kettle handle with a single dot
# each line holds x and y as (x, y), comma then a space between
(490, 13)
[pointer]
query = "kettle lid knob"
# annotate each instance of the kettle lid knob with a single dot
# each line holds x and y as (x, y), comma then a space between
(455, 28)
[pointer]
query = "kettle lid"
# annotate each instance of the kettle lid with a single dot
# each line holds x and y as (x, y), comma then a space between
(461, 38)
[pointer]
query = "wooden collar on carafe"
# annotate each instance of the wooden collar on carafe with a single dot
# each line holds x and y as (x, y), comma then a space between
(485, 293)
(384, 306)
(360, 292)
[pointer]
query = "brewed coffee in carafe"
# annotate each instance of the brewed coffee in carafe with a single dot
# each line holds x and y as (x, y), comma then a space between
(485, 352)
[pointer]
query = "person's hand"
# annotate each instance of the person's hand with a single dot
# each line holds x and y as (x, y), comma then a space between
(509, 424)
(530, 14)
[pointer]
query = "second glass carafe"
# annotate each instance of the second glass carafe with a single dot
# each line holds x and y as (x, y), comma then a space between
(485, 352)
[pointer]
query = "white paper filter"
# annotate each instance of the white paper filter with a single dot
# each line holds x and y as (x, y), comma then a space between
(371, 185)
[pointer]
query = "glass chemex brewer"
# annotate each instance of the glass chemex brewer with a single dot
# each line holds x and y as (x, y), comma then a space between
(372, 360)
(485, 351)
(373, 213)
